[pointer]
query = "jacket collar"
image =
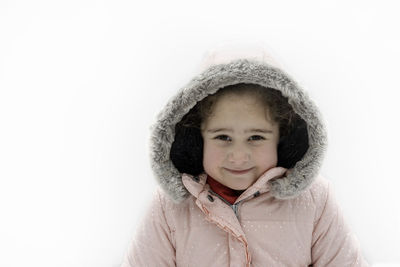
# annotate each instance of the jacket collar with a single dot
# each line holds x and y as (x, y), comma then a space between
(196, 184)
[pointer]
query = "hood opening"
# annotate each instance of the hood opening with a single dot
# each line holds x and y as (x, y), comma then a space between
(186, 151)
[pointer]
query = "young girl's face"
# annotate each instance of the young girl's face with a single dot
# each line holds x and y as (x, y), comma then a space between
(240, 144)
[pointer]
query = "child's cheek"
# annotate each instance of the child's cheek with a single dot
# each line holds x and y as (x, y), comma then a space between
(212, 155)
(267, 155)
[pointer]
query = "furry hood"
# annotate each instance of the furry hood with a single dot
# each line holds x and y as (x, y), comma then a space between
(225, 66)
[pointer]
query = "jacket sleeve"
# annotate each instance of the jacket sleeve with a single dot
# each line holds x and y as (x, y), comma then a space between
(333, 243)
(152, 244)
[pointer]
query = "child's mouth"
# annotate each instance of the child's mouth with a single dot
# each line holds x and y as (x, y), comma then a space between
(238, 171)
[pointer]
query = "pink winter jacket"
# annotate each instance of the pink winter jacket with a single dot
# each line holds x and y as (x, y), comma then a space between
(288, 217)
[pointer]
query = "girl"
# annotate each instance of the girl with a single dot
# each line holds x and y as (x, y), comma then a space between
(236, 153)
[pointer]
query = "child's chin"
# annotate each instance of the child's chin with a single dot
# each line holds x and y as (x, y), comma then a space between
(240, 185)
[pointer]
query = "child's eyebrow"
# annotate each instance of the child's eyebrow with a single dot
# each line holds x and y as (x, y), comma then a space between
(253, 130)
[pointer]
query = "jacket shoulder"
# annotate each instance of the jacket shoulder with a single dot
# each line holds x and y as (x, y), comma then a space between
(333, 242)
(320, 190)
(172, 210)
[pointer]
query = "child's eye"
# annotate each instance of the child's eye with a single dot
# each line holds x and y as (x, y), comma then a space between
(222, 137)
(257, 137)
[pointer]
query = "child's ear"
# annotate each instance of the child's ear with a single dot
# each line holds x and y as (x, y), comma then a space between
(187, 150)
(292, 147)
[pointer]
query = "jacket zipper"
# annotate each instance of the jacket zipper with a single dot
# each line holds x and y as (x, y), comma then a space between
(235, 206)
(235, 209)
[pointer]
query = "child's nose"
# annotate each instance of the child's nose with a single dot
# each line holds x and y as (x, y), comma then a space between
(239, 156)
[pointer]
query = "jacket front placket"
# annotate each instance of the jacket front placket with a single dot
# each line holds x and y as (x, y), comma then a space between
(217, 210)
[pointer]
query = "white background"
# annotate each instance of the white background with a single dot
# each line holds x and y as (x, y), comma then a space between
(81, 82)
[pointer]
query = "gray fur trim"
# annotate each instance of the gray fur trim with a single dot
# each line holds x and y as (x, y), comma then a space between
(208, 82)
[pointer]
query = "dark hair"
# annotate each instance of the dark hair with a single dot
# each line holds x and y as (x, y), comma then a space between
(187, 148)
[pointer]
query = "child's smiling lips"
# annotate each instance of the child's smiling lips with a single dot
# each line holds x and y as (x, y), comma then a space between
(238, 171)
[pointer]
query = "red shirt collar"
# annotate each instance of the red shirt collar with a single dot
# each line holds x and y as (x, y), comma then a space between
(225, 192)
